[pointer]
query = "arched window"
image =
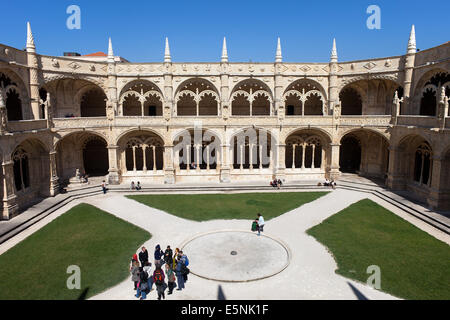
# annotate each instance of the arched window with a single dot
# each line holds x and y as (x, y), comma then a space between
(21, 169)
(144, 153)
(422, 164)
(428, 101)
(351, 102)
(93, 104)
(303, 153)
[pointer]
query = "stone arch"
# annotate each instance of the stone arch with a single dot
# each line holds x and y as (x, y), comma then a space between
(195, 150)
(251, 97)
(141, 152)
(365, 152)
(253, 148)
(15, 95)
(141, 97)
(68, 95)
(197, 97)
(82, 151)
(31, 169)
(372, 96)
(305, 97)
(428, 89)
(307, 150)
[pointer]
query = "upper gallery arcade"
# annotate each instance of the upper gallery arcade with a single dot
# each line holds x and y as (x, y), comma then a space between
(385, 117)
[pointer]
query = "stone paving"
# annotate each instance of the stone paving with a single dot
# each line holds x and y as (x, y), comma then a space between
(309, 275)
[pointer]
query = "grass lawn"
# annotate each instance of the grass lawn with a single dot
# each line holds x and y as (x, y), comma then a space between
(414, 265)
(204, 207)
(99, 243)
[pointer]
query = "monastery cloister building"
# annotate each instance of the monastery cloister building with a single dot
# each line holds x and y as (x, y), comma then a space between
(385, 118)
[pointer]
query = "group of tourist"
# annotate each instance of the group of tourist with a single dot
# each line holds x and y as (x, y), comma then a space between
(175, 272)
(276, 183)
(135, 186)
(328, 183)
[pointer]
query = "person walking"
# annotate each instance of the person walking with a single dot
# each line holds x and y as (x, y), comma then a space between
(135, 273)
(261, 224)
(158, 256)
(143, 256)
(170, 278)
(158, 280)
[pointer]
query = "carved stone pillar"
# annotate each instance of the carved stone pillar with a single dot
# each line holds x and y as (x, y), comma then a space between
(3, 112)
(169, 172)
(225, 167)
(113, 171)
(436, 196)
(395, 178)
(10, 207)
(280, 163)
(334, 168)
(54, 179)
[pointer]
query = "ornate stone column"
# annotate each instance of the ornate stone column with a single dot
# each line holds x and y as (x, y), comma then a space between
(334, 168)
(436, 196)
(10, 206)
(113, 171)
(169, 172)
(54, 179)
(3, 112)
(280, 165)
(226, 166)
(333, 94)
(395, 179)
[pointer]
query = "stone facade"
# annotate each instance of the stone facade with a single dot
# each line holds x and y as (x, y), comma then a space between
(385, 118)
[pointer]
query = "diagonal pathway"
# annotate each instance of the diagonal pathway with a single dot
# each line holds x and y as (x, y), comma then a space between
(310, 274)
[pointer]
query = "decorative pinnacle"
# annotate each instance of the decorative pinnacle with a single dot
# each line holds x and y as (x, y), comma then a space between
(30, 39)
(412, 40)
(110, 51)
(224, 51)
(167, 57)
(278, 55)
(334, 55)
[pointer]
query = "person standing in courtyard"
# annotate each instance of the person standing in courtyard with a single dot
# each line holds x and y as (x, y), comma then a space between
(158, 280)
(143, 256)
(170, 278)
(159, 254)
(142, 288)
(261, 224)
(148, 269)
(104, 187)
(179, 274)
(168, 255)
(135, 273)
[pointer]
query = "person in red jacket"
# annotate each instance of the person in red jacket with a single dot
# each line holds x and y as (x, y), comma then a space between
(158, 279)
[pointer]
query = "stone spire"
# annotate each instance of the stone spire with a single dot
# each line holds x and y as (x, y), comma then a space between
(167, 57)
(110, 51)
(278, 56)
(412, 41)
(30, 39)
(224, 51)
(334, 55)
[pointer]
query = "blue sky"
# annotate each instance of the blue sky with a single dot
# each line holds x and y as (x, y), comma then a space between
(196, 28)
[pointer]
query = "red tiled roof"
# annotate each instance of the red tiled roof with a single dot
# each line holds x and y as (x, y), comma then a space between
(96, 54)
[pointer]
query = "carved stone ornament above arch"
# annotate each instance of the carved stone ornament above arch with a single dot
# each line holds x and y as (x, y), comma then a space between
(345, 82)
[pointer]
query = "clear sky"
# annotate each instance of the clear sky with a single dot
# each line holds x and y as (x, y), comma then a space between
(196, 28)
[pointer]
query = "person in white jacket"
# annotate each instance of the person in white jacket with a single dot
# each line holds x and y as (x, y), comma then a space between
(260, 224)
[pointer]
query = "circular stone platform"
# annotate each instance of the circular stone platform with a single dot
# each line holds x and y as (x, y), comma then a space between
(235, 256)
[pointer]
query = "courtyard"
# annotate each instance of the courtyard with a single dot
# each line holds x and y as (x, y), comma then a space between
(315, 246)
